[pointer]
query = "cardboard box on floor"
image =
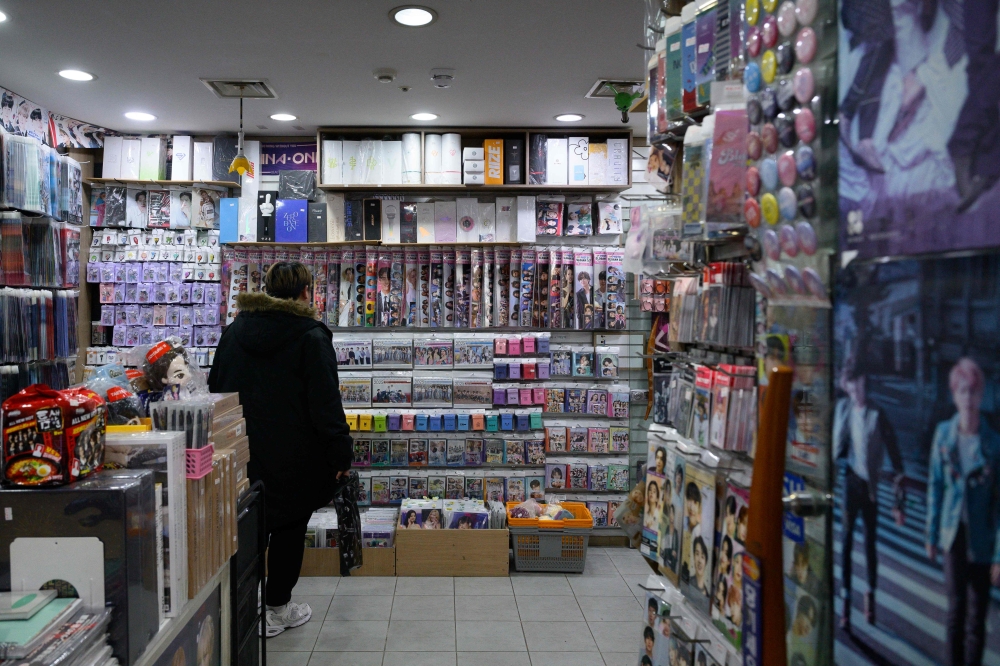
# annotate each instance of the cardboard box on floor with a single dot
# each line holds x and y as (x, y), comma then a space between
(452, 553)
(326, 562)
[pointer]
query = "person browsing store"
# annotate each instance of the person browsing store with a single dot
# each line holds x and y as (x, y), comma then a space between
(281, 361)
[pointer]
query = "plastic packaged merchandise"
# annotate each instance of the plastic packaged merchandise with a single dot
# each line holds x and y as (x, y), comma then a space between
(297, 185)
(170, 369)
(51, 438)
(111, 382)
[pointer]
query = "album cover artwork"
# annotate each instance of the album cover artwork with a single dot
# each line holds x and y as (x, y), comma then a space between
(435, 353)
(391, 390)
(437, 452)
(392, 353)
(399, 452)
(514, 451)
(353, 353)
(432, 391)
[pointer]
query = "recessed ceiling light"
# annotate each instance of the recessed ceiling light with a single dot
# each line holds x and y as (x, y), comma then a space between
(413, 16)
(76, 75)
(140, 115)
(569, 117)
(424, 116)
(283, 117)
(3, 17)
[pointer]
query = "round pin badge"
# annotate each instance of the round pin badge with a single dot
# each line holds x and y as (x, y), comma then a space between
(769, 136)
(754, 111)
(787, 203)
(786, 18)
(753, 145)
(805, 162)
(752, 9)
(751, 212)
(751, 77)
(753, 42)
(793, 278)
(805, 125)
(768, 66)
(805, 45)
(769, 241)
(807, 238)
(769, 208)
(769, 32)
(786, 57)
(753, 181)
(786, 130)
(769, 103)
(804, 85)
(769, 173)
(761, 286)
(814, 284)
(776, 282)
(788, 240)
(786, 169)
(805, 11)
(786, 95)
(807, 200)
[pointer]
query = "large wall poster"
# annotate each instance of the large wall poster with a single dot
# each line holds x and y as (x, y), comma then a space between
(916, 444)
(919, 129)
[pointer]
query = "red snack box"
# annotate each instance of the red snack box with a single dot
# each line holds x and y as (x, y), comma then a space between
(51, 438)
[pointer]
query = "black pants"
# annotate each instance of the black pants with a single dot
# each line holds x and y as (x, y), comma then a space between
(857, 499)
(286, 537)
(967, 586)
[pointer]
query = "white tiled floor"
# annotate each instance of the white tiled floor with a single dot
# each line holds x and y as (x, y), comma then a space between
(587, 619)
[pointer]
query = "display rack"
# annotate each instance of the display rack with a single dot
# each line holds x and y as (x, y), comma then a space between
(473, 137)
(100, 182)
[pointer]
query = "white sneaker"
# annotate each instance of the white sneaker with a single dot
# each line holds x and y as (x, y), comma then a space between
(293, 615)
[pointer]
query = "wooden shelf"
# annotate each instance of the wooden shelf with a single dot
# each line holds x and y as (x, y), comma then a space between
(491, 189)
(473, 136)
(162, 183)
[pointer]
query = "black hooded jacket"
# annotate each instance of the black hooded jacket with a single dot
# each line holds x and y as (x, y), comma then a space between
(280, 360)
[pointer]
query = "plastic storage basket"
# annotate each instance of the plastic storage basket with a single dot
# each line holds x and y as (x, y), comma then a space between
(551, 545)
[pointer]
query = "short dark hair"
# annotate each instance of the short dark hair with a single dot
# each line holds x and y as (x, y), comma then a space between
(652, 604)
(383, 273)
(648, 633)
(691, 492)
(287, 279)
(699, 543)
(583, 275)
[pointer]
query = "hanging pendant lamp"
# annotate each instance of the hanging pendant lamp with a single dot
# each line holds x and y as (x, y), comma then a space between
(240, 164)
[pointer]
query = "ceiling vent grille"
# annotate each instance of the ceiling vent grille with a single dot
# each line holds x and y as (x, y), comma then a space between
(601, 89)
(231, 88)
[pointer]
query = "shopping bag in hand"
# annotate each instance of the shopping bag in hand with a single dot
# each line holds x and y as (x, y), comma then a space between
(345, 501)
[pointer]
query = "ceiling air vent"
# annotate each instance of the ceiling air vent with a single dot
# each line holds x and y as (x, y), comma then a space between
(601, 89)
(232, 88)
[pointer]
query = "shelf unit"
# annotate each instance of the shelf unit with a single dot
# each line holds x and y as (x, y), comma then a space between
(165, 184)
(473, 137)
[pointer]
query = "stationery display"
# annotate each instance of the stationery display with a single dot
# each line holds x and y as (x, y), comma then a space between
(38, 251)
(37, 179)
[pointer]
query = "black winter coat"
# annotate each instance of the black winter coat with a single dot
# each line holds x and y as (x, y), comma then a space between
(280, 360)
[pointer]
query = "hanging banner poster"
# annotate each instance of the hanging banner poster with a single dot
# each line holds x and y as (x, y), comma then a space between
(298, 156)
(916, 444)
(919, 139)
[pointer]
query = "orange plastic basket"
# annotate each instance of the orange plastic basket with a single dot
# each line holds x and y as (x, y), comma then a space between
(582, 519)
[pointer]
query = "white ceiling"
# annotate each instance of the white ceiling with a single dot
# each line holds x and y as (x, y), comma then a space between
(517, 62)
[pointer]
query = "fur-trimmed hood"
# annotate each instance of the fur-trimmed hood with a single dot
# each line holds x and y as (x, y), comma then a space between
(261, 302)
(266, 324)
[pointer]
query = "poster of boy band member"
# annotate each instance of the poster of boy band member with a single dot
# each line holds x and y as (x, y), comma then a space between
(922, 335)
(919, 125)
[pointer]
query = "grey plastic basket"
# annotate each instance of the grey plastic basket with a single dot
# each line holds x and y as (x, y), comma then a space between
(560, 551)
